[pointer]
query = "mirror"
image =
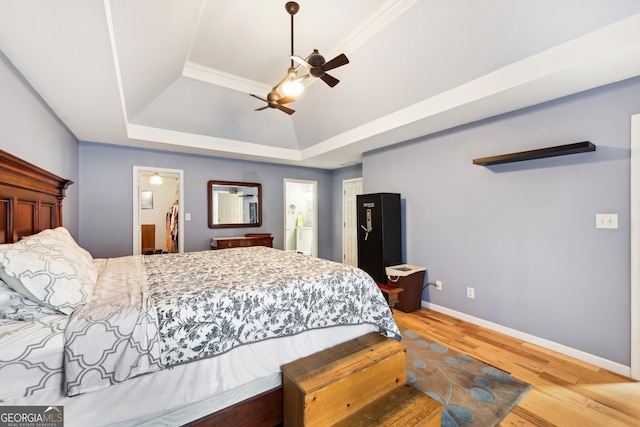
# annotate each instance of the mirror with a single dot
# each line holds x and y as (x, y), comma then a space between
(234, 204)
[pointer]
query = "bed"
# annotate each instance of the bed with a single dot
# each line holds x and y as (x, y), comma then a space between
(195, 338)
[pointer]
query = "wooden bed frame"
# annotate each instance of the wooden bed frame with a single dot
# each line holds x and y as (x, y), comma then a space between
(31, 201)
(265, 409)
(30, 198)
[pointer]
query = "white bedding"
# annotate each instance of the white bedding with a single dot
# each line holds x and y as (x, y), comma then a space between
(150, 313)
(247, 322)
(183, 393)
(31, 357)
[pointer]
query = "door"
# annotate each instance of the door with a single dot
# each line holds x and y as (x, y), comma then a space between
(350, 189)
(229, 208)
(300, 216)
(164, 211)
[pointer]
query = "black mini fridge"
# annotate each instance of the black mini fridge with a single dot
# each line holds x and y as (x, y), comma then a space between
(379, 233)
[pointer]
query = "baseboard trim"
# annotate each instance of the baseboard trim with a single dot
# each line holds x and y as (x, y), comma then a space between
(612, 366)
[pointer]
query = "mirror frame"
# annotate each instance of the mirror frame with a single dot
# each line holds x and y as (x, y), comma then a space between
(210, 185)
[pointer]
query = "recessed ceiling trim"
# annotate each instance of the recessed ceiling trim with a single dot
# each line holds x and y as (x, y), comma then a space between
(184, 139)
(114, 53)
(220, 78)
(515, 86)
(388, 13)
(599, 57)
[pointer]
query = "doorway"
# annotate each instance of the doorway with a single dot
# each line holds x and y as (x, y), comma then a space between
(300, 216)
(157, 210)
(350, 189)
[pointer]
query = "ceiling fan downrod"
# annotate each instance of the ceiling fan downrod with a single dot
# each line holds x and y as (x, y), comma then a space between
(292, 8)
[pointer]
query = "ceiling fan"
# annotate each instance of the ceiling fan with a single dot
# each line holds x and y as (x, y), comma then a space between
(318, 66)
(275, 100)
(291, 84)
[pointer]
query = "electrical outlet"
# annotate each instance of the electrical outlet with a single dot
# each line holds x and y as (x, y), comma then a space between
(187, 217)
(438, 285)
(607, 221)
(471, 293)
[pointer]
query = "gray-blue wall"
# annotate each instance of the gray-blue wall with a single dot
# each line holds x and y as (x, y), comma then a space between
(106, 172)
(31, 131)
(523, 234)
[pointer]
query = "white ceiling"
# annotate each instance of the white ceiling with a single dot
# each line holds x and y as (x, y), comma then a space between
(176, 74)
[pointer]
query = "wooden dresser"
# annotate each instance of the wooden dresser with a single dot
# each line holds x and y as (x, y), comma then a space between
(251, 239)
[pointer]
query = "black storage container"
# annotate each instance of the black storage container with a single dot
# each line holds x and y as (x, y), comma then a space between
(379, 233)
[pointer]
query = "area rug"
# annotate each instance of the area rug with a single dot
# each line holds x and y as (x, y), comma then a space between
(472, 392)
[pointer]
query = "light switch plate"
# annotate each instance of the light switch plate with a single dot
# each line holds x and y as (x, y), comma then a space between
(607, 221)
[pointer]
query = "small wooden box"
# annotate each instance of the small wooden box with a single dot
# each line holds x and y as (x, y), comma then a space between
(328, 386)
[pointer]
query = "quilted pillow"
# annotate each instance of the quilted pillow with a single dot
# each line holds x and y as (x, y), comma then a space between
(49, 269)
(64, 236)
(15, 306)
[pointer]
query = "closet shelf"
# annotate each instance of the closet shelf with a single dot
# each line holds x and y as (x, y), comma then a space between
(560, 150)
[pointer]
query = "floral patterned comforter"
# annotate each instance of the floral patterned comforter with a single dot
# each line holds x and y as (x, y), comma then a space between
(154, 312)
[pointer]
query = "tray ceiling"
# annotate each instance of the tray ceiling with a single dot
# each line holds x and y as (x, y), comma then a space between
(176, 74)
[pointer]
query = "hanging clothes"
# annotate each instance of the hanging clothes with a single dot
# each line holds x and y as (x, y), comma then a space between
(172, 228)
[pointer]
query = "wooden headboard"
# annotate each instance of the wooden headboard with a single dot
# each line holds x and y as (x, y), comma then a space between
(30, 198)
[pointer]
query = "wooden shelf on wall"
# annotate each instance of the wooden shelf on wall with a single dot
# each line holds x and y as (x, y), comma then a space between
(560, 150)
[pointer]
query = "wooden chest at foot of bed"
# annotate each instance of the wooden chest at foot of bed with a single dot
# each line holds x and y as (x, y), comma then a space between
(328, 386)
(402, 407)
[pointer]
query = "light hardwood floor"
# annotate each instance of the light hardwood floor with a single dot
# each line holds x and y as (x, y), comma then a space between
(566, 391)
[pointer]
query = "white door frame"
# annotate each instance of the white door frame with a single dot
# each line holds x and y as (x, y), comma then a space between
(314, 251)
(344, 220)
(137, 237)
(634, 221)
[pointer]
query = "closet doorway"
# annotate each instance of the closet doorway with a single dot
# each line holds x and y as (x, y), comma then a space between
(300, 216)
(158, 219)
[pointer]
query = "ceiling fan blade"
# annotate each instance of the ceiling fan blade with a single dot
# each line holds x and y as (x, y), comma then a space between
(256, 96)
(289, 111)
(286, 100)
(299, 60)
(261, 108)
(336, 62)
(330, 80)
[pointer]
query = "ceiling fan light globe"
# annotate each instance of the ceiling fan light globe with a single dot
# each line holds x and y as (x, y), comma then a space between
(292, 73)
(292, 88)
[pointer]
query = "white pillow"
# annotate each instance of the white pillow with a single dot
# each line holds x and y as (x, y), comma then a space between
(15, 306)
(63, 235)
(49, 268)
